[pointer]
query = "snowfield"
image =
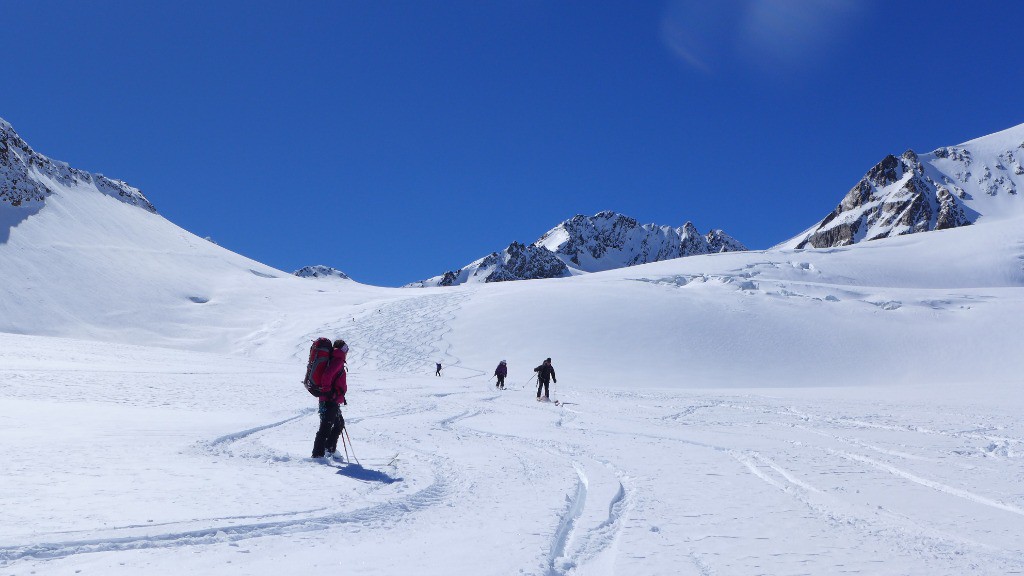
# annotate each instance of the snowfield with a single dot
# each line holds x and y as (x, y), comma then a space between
(836, 411)
(127, 460)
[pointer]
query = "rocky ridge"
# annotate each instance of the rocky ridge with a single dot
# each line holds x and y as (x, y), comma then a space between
(24, 176)
(610, 240)
(950, 187)
(586, 244)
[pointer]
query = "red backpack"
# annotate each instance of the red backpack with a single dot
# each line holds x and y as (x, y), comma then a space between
(319, 359)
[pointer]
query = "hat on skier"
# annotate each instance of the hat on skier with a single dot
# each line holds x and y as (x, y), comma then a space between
(548, 360)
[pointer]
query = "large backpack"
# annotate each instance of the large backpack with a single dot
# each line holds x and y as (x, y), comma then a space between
(319, 359)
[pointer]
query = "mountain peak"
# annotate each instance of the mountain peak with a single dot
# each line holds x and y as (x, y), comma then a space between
(584, 244)
(320, 271)
(950, 187)
(611, 240)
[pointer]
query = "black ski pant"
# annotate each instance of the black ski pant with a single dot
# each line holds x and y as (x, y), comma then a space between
(542, 384)
(331, 425)
(501, 381)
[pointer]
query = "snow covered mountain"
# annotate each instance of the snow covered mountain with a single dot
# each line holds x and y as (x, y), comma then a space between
(608, 240)
(320, 271)
(86, 256)
(583, 244)
(777, 411)
(950, 187)
(516, 262)
(28, 178)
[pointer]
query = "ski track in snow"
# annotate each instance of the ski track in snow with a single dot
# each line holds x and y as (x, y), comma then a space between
(574, 508)
(938, 486)
(570, 547)
(896, 531)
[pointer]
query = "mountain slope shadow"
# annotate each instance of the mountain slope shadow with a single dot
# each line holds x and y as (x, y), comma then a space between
(11, 216)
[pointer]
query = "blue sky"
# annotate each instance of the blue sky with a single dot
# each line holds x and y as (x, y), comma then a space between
(397, 140)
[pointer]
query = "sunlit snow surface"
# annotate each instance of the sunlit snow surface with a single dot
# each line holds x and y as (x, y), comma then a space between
(123, 460)
(853, 410)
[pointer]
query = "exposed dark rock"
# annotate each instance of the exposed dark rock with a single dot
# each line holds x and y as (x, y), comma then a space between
(897, 196)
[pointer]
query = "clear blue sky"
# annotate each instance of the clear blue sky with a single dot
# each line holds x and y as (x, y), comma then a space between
(397, 140)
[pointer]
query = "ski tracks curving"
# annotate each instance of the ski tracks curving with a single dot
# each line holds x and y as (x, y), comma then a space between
(589, 539)
(386, 513)
(393, 507)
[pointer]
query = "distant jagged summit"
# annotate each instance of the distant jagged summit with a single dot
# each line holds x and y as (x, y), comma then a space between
(320, 271)
(516, 262)
(949, 187)
(610, 240)
(25, 175)
(585, 244)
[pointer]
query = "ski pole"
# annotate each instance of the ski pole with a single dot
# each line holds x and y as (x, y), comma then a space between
(345, 431)
(344, 444)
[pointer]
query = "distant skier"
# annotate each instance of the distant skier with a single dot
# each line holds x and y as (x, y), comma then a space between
(438, 371)
(331, 420)
(545, 373)
(501, 371)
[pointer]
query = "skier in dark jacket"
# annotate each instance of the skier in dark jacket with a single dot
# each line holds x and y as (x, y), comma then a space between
(501, 371)
(331, 420)
(545, 373)
(438, 371)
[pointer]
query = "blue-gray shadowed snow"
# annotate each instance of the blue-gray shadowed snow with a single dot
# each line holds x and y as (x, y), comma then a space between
(357, 472)
(583, 244)
(11, 216)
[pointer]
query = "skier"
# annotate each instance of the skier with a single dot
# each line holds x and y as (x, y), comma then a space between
(501, 371)
(438, 371)
(545, 373)
(331, 420)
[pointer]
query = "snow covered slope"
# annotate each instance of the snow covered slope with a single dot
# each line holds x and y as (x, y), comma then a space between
(85, 264)
(85, 256)
(584, 244)
(947, 188)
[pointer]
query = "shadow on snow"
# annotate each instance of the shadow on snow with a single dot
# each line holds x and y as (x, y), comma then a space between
(357, 472)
